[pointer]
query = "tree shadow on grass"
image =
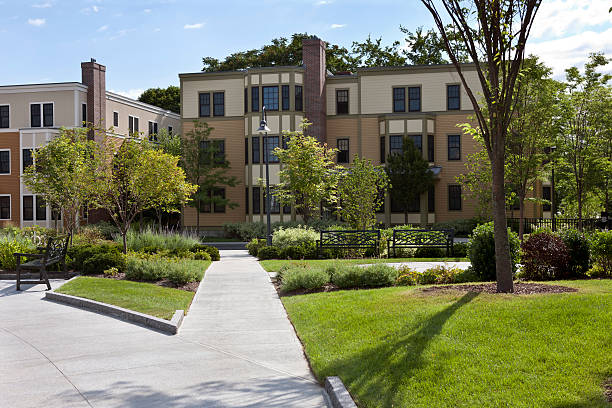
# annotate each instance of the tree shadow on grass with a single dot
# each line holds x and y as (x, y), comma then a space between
(380, 370)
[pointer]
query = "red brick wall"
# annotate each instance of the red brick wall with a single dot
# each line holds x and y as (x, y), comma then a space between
(313, 50)
(94, 76)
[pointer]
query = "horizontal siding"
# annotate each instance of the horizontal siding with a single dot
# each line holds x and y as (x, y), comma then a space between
(19, 111)
(144, 116)
(353, 97)
(234, 95)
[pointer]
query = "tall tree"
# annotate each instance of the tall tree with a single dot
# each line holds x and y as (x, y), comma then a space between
(63, 173)
(427, 47)
(205, 166)
(586, 128)
(308, 176)
(134, 178)
(361, 190)
(409, 176)
(166, 98)
(497, 51)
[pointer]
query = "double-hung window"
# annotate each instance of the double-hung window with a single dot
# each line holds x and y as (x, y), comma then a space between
(399, 100)
(26, 158)
(153, 131)
(342, 101)
(5, 162)
(285, 91)
(218, 104)
(204, 105)
(270, 143)
(454, 147)
(454, 197)
(41, 114)
(298, 98)
(453, 98)
(256, 200)
(41, 209)
(4, 117)
(255, 99)
(270, 97)
(414, 99)
(417, 140)
(343, 150)
(5, 207)
(133, 124)
(395, 144)
(28, 208)
(115, 119)
(255, 152)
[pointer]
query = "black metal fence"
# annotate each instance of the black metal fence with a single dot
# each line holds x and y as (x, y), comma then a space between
(532, 224)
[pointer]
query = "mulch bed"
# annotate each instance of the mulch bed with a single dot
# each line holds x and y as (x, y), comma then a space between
(607, 387)
(519, 288)
(189, 287)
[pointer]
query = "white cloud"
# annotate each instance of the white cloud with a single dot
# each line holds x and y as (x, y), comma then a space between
(323, 2)
(89, 10)
(95, 9)
(121, 33)
(46, 4)
(193, 26)
(103, 28)
(130, 93)
(565, 17)
(156, 30)
(147, 11)
(334, 26)
(573, 50)
(37, 22)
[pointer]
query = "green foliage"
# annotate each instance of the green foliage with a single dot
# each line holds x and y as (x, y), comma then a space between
(79, 254)
(601, 250)
(10, 244)
(308, 175)
(254, 245)
(247, 231)
(407, 276)
(303, 278)
(305, 250)
(177, 271)
(579, 252)
(107, 229)
(425, 48)
(462, 227)
(544, 256)
(482, 251)
(149, 239)
(166, 98)
(284, 237)
(428, 252)
(409, 175)
(268, 252)
(99, 262)
(460, 249)
(212, 251)
(111, 272)
(362, 188)
(346, 276)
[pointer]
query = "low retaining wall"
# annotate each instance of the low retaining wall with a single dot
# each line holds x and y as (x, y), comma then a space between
(337, 393)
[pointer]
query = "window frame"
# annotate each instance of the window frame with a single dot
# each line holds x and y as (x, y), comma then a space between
(347, 102)
(347, 159)
(219, 156)
(41, 123)
(135, 129)
(449, 147)
(23, 207)
(256, 200)
(416, 136)
(38, 207)
(275, 205)
(458, 97)
(10, 167)
(394, 150)
(274, 107)
(153, 130)
(255, 99)
(10, 207)
(200, 105)
(23, 161)
(215, 113)
(271, 158)
(255, 158)
(410, 100)
(395, 100)
(454, 200)
(298, 96)
(285, 99)
(431, 148)
(115, 119)
(383, 149)
(8, 116)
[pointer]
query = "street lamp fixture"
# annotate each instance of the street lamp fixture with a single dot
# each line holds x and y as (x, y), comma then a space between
(263, 130)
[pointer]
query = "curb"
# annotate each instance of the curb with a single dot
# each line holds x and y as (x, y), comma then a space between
(166, 326)
(338, 395)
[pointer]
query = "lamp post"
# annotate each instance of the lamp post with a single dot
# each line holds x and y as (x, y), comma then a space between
(551, 150)
(263, 130)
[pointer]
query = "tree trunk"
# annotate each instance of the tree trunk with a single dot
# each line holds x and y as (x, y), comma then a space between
(579, 209)
(198, 219)
(521, 216)
(503, 263)
(406, 217)
(123, 235)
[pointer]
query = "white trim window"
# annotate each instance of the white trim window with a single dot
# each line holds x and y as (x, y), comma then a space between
(115, 119)
(5, 162)
(42, 114)
(5, 121)
(152, 130)
(133, 124)
(5, 207)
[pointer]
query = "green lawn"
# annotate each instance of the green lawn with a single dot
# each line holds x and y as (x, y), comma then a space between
(273, 265)
(399, 347)
(142, 297)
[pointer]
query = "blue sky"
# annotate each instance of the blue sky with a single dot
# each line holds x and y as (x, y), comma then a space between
(146, 43)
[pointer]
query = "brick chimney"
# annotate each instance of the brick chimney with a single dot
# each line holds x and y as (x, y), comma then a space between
(94, 76)
(313, 54)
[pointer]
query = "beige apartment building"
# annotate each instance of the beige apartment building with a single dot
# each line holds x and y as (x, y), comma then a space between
(31, 115)
(366, 113)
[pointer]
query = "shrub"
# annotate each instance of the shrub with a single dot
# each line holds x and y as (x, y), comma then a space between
(428, 252)
(460, 250)
(579, 252)
(161, 240)
(246, 231)
(429, 276)
(89, 234)
(462, 228)
(100, 262)
(283, 238)
(441, 274)
(407, 276)
(11, 244)
(202, 256)
(545, 257)
(78, 254)
(347, 276)
(601, 249)
(254, 245)
(303, 278)
(111, 272)
(378, 275)
(178, 271)
(106, 229)
(481, 251)
(467, 275)
(268, 252)
(303, 251)
(213, 252)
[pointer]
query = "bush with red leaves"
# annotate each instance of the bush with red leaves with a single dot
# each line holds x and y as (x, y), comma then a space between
(545, 257)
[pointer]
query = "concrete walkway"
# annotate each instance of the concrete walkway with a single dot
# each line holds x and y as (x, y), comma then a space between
(236, 349)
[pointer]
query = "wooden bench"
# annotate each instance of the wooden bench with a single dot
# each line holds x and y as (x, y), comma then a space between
(421, 238)
(349, 239)
(54, 253)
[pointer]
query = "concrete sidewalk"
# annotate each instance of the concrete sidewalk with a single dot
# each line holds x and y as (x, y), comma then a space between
(236, 349)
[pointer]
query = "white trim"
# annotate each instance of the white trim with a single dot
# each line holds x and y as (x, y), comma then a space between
(9, 130)
(20, 180)
(9, 126)
(133, 130)
(10, 207)
(42, 115)
(66, 86)
(156, 126)
(76, 111)
(10, 164)
(114, 119)
(141, 105)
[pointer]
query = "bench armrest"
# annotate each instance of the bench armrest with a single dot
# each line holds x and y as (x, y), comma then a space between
(29, 255)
